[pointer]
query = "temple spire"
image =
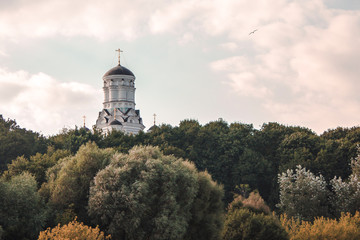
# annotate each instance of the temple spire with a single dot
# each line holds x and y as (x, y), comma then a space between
(119, 51)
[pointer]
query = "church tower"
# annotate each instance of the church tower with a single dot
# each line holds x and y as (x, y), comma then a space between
(119, 102)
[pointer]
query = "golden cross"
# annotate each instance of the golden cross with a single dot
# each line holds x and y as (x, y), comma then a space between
(154, 118)
(119, 51)
(84, 117)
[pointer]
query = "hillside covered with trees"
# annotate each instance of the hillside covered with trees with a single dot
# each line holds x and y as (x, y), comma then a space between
(192, 181)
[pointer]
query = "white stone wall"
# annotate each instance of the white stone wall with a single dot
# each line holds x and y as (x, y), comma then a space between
(119, 92)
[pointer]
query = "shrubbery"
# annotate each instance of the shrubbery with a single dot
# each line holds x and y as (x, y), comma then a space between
(73, 230)
(346, 228)
(250, 219)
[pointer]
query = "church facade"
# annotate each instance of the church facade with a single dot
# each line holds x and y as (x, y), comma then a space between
(119, 103)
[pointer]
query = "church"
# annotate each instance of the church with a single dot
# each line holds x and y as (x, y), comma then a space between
(119, 102)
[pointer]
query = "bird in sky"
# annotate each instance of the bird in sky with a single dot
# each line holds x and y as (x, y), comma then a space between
(253, 32)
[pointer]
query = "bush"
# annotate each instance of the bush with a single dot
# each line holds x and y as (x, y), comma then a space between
(254, 203)
(73, 230)
(250, 219)
(246, 225)
(346, 228)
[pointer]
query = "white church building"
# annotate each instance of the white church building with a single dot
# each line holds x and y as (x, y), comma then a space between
(119, 102)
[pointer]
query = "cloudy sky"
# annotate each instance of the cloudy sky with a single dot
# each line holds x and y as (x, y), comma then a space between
(191, 58)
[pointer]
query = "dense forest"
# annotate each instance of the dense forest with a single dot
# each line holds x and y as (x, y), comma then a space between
(198, 180)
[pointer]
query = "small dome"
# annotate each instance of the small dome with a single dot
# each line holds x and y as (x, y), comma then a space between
(119, 70)
(115, 122)
(152, 128)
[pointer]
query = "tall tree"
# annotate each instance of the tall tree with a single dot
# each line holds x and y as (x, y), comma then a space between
(16, 141)
(37, 164)
(73, 139)
(302, 194)
(347, 193)
(22, 212)
(147, 195)
(69, 180)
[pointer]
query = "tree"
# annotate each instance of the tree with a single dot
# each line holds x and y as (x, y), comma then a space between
(147, 195)
(298, 148)
(347, 193)
(73, 230)
(69, 180)
(346, 228)
(37, 164)
(16, 141)
(302, 194)
(207, 210)
(73, 139)
(22, 212)
(250, 219)
(253, 202)
(267, 143)
(254, 170)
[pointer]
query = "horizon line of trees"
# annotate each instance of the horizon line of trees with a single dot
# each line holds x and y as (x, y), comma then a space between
(233, 154)
(56, 174)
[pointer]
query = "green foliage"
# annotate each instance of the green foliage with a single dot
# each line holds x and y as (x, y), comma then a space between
(234, 154)
(244, 224)
(22, 212)
(340, 147)
(207, 213)
(37, 164)
(346, 197)
(120, 141)
(302, 194)
(73, 230)
(346, 228)
(299, 148)
(146, 195)
(16, 141)
(69, 180)
(1, 232)
(72, 139)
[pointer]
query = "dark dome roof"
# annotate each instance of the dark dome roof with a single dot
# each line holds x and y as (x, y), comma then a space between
(119, 70)
(153, 127)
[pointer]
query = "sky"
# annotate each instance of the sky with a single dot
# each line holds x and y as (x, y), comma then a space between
(193, 59)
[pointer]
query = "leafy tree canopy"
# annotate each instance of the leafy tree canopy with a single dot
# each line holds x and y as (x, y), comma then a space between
(146, 195)
(16, 141)
(22, 212)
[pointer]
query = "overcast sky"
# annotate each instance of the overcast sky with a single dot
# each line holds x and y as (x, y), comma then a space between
(192, 60)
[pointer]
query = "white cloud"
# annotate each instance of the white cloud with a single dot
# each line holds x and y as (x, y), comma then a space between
(90, 18)
(186, 38)
(302, 63)
(41, 103)
(229, 46)
(305, 63)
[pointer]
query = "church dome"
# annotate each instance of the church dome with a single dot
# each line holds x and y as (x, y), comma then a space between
(119, 70)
